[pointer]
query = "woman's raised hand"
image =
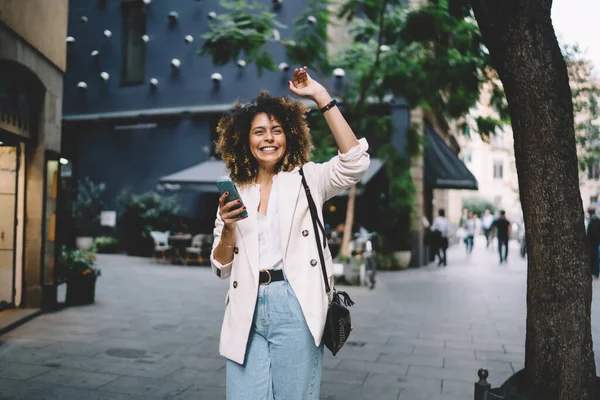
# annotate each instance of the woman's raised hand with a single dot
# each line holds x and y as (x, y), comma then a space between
(228, 215)
(304, 86)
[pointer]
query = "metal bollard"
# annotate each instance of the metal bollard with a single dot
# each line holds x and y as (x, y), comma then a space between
(482, 387)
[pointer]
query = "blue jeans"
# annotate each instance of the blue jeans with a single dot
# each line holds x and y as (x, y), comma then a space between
(282, 361)
(503, 242)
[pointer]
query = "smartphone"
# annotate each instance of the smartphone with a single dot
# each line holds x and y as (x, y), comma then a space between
(227, 185)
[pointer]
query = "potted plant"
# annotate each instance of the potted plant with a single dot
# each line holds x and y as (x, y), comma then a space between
(81, 273)
(86, 212)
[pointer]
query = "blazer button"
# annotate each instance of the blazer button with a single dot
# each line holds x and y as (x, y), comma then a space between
(236, 250)
(305, 233)
(313, 262)
(234, 284)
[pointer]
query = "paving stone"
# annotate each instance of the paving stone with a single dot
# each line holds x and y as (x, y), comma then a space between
(198, 377)
(331, 362)
(197, 392)
(81, 379)
(442, 373)
(340, 391)
(80, 349)
(416, 394)
(21, 371)
(83, 363)
(412, 359)
(498, 356)
(373, 367)
(141, 368)
(475, 365)
(514, 349)
(457, 388)
(146, 387)
(378, 379)
(455, 353)
(348, 377)
(451, 344)
(416, 342)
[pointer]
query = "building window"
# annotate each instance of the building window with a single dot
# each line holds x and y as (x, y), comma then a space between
(467, 157)
(594, 171)
(498, 170)
(133, 48)
(593, 200)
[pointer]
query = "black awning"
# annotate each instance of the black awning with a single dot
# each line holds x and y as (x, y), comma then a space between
(443, 169)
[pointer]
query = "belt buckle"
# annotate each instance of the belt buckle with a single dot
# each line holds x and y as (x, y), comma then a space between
(268, 273)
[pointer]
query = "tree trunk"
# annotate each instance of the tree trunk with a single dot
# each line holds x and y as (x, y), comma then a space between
(349, 222)
(559, 360)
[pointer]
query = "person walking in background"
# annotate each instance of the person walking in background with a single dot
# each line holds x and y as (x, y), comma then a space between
(440, 229)
(486, 224)
(593, 237)
(503, 229)
(470, 226)
(464, 218)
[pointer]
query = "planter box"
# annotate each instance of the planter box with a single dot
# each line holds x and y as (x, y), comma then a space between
(81, 290)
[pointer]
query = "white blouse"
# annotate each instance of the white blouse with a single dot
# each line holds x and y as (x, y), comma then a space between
(270, 255)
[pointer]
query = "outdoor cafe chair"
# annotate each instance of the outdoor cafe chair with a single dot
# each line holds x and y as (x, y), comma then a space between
(194, 253)
(161, 244)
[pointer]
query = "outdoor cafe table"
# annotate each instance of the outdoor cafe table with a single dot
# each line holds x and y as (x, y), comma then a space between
(179, 242)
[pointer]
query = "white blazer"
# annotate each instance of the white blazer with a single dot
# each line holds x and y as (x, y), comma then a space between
(300, 255)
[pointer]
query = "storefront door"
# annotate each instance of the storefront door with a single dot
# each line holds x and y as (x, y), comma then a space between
(10, 155)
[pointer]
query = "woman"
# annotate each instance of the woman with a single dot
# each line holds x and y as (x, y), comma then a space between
(470, 226)
(276, 304)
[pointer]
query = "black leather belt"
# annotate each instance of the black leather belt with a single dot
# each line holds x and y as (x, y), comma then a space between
(267, 276)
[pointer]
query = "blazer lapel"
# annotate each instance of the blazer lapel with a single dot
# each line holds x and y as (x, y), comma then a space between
(289, 184)
(248, 227)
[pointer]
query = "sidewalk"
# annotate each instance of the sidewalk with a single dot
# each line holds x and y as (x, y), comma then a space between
(153, 334)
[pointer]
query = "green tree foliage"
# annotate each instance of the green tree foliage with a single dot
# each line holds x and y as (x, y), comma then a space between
(478, 205)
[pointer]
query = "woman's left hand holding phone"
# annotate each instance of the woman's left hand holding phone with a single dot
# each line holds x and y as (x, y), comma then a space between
(228, 215)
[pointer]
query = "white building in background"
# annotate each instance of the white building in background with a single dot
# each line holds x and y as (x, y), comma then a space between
(589, 185)
(493, 164)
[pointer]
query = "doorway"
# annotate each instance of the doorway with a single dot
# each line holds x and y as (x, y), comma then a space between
(11, 232)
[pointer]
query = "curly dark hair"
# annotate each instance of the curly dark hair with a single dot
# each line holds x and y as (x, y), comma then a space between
(234, 131)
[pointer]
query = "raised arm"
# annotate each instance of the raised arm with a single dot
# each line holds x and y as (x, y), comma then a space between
(304, 86)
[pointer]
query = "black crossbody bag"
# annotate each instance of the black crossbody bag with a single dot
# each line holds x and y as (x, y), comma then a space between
(338, 324)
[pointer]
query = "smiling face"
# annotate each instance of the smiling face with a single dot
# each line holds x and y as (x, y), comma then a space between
(267, 140)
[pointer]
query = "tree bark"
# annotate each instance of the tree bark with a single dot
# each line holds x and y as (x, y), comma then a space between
(559, 360)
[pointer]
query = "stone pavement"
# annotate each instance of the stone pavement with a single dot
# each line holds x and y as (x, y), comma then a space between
(153, 334)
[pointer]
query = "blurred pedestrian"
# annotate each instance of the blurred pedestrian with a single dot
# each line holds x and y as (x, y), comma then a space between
(470, 226)
(593, 236)
(276, 306)
(440, 230)
(486, 224)
(503, 229)
(464, 217)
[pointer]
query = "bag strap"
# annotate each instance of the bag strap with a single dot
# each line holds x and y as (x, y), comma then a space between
(317, 225)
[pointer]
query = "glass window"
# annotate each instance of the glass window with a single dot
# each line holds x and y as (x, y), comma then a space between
(133, 48)
(467, 157)
(498, 170)
(594, 171)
